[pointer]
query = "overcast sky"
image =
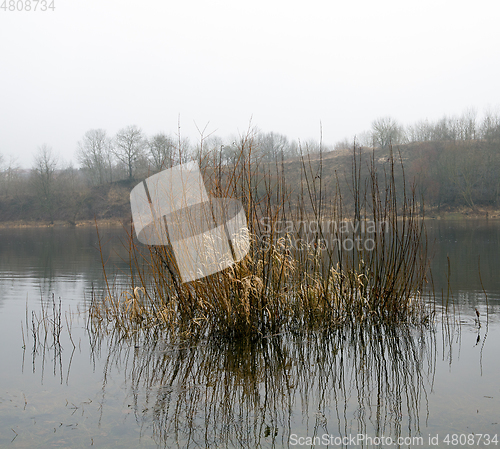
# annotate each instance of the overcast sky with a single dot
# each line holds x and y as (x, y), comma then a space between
(286, 66)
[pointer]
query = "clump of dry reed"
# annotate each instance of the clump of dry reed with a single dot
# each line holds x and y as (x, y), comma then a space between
(295, 275)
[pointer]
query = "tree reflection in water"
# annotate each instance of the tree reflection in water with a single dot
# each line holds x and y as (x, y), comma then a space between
(362, 379)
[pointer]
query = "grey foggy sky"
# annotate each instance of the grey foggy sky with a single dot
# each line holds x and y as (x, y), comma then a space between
(284, 65)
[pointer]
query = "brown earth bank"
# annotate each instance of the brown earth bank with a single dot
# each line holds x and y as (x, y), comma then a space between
(448, 213)
(68, 206)
(101, 223)
(462, 213)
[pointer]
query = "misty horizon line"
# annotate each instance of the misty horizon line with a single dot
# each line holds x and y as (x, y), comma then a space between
(384, 130)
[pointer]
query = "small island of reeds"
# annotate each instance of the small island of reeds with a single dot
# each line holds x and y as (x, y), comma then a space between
(324, 251)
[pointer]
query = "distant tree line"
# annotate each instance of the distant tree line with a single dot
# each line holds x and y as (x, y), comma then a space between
(110, 166)
(131, 154)
(453, 161)
(387, 131)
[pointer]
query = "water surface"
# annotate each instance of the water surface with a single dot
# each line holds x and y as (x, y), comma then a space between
(147, 391)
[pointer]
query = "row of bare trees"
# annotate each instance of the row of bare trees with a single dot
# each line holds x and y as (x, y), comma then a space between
(99, 154)
(460, 128)
(109, 166)
(453, 161)
(131, 154)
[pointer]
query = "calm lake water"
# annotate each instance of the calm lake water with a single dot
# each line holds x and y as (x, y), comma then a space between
(358, 383)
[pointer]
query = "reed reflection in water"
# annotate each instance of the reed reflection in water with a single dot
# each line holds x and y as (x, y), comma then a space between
(371, 379)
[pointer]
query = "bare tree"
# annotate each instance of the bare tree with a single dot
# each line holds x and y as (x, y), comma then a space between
(462, 127)
(162, 149)
(43, 175)
(272, 146)
(419, 132)
(129, 147)
(386, 131)
(94, 154)
(490, 127)
(212, 148)
(9, 175)
(228, 154)
(468, 124)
